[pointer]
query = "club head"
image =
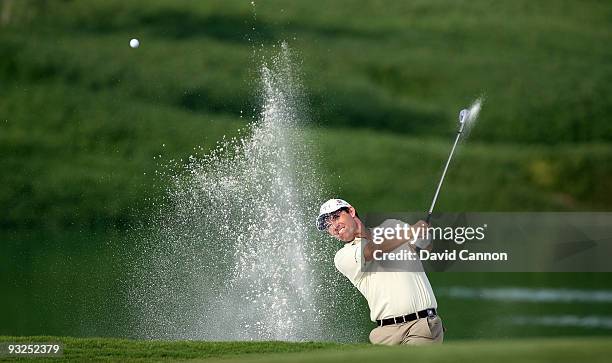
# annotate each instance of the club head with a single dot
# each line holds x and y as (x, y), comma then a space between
(463, 116)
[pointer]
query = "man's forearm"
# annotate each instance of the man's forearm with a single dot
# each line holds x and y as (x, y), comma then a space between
(390, 244)
(387, 245)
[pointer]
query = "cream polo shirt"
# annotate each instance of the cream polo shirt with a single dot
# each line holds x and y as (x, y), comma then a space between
(389, 293)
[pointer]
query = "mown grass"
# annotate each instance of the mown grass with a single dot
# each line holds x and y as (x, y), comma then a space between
(139, 350)
(532, 350)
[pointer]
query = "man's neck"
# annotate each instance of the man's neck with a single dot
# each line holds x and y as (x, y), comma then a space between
(362, 231)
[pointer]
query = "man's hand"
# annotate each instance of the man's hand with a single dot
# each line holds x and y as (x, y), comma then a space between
(419, 230)
(420, 236)
(390, 244)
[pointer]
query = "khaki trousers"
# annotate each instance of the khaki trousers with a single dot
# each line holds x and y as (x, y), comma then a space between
(421, 331)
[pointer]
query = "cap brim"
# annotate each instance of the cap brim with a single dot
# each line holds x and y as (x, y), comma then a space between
(321, 222)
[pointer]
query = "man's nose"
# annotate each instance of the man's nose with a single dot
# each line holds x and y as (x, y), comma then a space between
(337, 228)
(333, 228)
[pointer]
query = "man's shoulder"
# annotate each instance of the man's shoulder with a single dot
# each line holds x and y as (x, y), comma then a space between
(347, 247)
(347, 260)
(392, 223)
(348, 250)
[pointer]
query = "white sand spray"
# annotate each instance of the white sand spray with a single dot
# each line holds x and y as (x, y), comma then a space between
(231, 257)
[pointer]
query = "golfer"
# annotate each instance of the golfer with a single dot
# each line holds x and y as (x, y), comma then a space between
(401, 303)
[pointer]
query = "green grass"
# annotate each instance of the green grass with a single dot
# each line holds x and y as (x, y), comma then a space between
(399, 173)
(531, 350)
(88, 125)
(84, 118)
(86, 183)
(540, 65)
(135, 350)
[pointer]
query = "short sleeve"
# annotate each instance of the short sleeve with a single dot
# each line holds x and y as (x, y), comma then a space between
(348, 262)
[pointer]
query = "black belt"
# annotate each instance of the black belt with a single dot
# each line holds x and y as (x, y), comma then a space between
(407, 318)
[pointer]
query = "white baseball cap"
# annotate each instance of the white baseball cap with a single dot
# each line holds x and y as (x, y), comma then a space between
(327, 208)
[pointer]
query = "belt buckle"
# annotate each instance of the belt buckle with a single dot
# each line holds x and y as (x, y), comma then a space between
(430, 312)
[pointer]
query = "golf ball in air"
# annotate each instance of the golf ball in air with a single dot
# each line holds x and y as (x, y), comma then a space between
(134, 43)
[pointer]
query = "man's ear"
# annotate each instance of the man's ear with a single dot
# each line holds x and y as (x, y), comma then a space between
(352, 212)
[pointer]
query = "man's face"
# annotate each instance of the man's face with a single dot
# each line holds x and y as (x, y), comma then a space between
(342, 225)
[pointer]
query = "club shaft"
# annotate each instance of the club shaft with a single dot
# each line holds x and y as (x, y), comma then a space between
(450, 156)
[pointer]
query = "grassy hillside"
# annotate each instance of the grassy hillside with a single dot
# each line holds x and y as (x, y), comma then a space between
(399, 173)
(84, 118)
(533, 350)
(89, 125)
(88, 183)
(405, 67)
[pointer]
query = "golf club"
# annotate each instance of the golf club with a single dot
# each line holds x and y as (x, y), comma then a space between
(464, 117)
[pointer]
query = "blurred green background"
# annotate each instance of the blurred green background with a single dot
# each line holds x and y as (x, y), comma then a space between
(86, 124)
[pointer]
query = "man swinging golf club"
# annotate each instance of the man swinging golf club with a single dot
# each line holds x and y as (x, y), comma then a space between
(401, 303)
